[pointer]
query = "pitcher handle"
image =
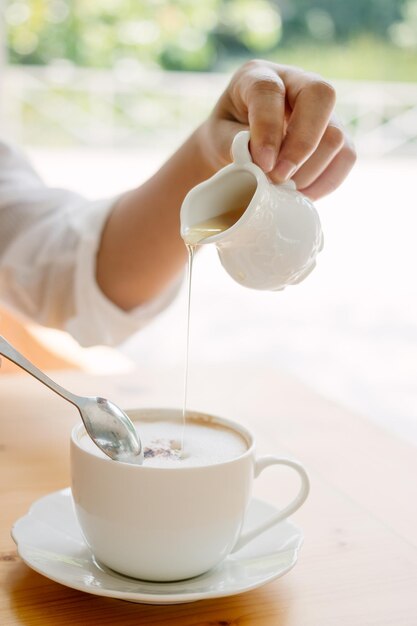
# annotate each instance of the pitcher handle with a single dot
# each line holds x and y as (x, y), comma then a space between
(240, 148)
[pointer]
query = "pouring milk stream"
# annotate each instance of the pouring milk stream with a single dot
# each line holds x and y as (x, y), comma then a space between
(267, 236)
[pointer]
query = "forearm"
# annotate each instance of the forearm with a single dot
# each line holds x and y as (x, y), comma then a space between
(141, 250)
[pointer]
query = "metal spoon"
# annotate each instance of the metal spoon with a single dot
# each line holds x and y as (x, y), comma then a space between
(108, 426)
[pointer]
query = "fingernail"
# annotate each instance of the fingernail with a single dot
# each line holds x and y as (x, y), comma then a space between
(267, 158)
(284, 170)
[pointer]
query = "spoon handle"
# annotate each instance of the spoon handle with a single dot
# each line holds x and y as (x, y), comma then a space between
(7, 350)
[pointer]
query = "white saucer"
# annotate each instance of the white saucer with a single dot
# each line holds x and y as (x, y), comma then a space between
(49, 540)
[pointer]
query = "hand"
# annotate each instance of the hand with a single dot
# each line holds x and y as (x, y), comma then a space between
(294, 131)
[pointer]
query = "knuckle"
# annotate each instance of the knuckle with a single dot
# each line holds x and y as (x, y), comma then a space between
(349, 154)
(253, 64)
(334, 138)
(268, 133)
(332, 184)
(267, 85)
(301, 148)
(324, 90)
(257, 78)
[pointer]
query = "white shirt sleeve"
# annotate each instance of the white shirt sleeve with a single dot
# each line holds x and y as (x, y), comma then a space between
(48, 244)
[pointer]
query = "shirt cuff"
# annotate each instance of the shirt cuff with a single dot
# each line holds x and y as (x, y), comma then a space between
(97, 320)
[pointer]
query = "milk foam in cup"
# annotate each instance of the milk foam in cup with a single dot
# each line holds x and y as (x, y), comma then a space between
(204, 444)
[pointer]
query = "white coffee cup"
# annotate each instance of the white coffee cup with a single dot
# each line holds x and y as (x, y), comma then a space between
(169, 523)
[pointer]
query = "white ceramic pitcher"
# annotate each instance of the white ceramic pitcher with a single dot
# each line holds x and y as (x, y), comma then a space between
(275, 242)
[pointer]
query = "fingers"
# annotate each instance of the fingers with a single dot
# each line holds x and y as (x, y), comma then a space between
(294, 132)
(334, 174)
(330, 145)
(312, 101)
(264, 96)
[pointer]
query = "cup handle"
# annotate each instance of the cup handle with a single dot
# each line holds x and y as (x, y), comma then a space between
(299, 499)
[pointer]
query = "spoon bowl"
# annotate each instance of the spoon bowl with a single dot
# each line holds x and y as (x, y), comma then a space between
(107, 425)
(111, 429)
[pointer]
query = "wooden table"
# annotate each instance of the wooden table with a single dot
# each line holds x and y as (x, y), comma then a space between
(358, 565)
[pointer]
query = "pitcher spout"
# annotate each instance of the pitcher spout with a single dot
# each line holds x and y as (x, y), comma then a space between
(215, 206)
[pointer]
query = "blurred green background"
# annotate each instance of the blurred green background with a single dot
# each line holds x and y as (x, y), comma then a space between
(123, 73)
(369, 39)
